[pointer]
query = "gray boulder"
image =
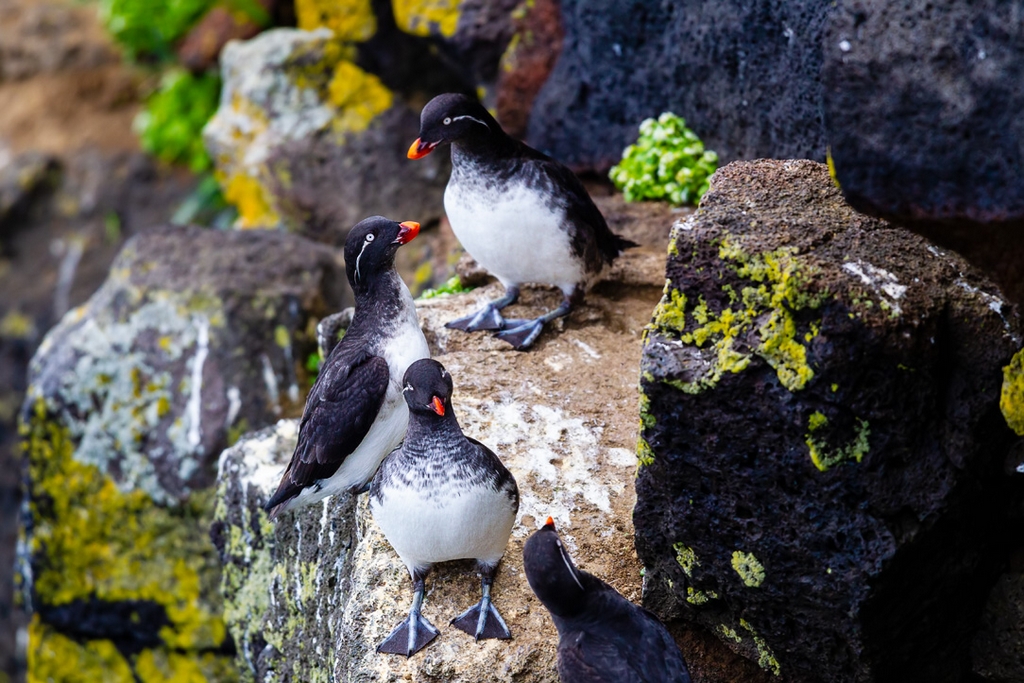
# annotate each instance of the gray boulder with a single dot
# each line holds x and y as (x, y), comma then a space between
(823, 480)
(195, 337)
(307, 140)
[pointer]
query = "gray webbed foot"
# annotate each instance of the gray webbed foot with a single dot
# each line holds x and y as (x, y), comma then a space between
(482, 620)
(414, 633)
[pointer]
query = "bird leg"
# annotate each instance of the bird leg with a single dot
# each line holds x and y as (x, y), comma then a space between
(523, 335)
(482, 619)
(413, 634)
(488, 317)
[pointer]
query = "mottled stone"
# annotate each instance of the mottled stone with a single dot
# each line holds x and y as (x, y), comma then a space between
(922, 105)
(306, 139)
(195, 337)
(744, 75)
(822, 478)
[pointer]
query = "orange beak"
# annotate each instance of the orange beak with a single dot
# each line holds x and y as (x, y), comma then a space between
(437, 406)
(408, 232)
(419, 149)
(550, 522)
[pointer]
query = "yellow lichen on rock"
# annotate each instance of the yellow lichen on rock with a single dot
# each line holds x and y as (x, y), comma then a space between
(91, 541)
(428, 17)
(349, 19)
(358, 96)
(251, 199)
(1011, 398)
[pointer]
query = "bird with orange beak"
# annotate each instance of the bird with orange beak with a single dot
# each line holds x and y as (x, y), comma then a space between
(522, 215)
(355, 413)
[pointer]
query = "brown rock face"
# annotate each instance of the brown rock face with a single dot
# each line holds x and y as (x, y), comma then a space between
(822, 481)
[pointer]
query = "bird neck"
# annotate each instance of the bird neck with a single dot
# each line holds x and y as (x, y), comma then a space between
(426, 432)
(382, 298)
(485, 144)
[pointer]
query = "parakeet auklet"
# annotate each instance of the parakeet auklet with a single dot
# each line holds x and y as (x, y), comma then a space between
(522, 215)
(442, 496)
(355, 413)
(602, 637)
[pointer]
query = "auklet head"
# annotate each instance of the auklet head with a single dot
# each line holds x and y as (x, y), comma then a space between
(428, 388)
(551, 573)
(449, 118)
(370, 248)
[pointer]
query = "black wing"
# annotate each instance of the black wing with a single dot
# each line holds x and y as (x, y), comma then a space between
(596, 244)
(340, 409)
(502, 479)
(622, 644)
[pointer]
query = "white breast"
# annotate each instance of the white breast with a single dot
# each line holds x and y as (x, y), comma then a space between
(514, 234)
(405, 346)
(448, 524)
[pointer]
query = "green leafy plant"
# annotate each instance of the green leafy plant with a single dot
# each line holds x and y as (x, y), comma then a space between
(147, 29)
(452, 286)
(171, 124)
(668, 162)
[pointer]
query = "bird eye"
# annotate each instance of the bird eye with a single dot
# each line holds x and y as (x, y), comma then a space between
(407, 387)
(447, 120)
(369, 237)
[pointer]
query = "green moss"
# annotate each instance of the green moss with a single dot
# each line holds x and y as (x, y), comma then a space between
(778, 288)
(750, 570)
(824, 456)
(170, 125)
(92, 541)
(1011, 398)
(452, 286)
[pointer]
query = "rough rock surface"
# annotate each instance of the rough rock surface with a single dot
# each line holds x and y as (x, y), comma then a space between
(306, 139)
(132, 397)
(311, 596)
(922, 106)
(823, 477)
(998, 648)
(744, 75)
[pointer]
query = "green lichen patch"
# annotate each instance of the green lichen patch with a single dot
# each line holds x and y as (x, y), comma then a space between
(761, 318)
(825, 456)
(698, 597)
(686, 558)
(92, 541)
(750, 570)
(451, 286)
(765, 657)
(1011, 398)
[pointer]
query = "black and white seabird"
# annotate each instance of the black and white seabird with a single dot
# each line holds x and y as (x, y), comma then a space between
(442, 496)
(602, 637)
(355, 413)
(522, 215)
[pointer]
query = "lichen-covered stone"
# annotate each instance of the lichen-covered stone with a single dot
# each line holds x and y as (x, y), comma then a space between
(196, 336)
(306, 139)
(822, 481)
(311, 596)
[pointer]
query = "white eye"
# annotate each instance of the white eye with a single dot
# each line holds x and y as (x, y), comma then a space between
(447, 120)
(369, 238)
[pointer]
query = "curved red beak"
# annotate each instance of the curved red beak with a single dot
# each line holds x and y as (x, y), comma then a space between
(408, 232)
(419, 149)
(437, 406)
(550, 522)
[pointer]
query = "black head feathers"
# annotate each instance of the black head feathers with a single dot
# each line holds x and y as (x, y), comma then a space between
(370, 248)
